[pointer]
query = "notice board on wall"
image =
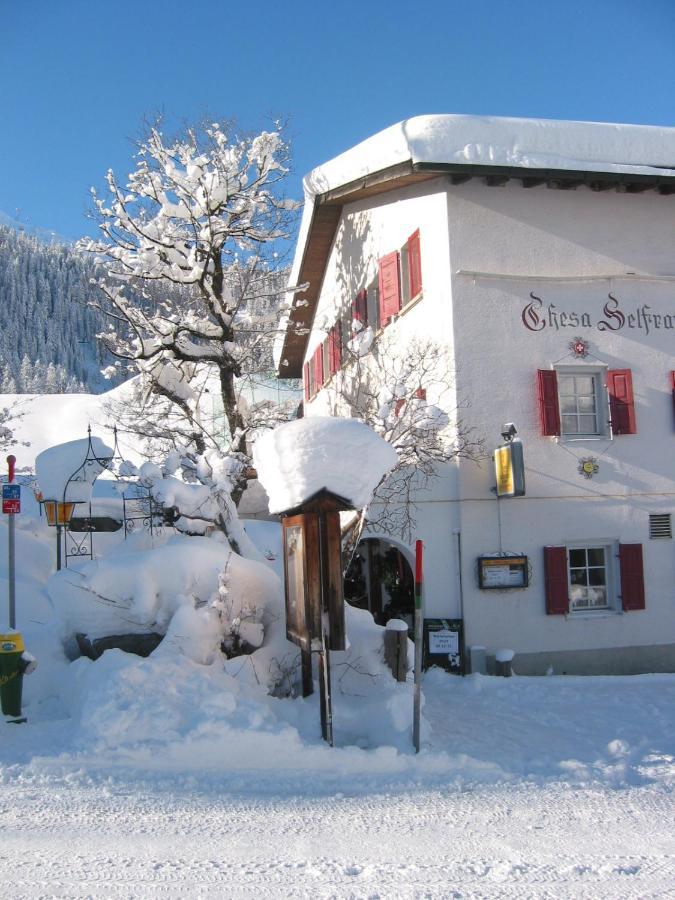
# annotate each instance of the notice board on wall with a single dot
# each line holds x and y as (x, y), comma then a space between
(443, 644)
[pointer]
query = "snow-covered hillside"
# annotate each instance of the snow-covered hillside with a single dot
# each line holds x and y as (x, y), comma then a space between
(43, 420)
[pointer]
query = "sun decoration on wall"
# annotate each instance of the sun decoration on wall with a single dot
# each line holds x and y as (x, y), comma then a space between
(588, 466)
(579, 347)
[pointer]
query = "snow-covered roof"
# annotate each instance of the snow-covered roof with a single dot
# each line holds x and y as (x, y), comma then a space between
(422, 143)
(495, 141)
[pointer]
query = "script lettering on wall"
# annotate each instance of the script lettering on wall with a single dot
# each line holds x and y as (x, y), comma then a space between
(537, 316)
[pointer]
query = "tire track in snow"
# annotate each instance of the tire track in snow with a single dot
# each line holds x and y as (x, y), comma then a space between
(511, 842)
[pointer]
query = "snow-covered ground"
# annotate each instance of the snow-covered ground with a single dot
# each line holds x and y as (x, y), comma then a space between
(179, 776)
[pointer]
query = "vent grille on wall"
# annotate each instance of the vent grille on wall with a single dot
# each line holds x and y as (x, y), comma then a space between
(660, 526)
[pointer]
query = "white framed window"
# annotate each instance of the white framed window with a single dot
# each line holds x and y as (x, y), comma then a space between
(582, 399)
(373, 303)
(591, 577)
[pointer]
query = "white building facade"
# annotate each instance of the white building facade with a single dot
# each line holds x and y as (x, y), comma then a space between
(541, 255)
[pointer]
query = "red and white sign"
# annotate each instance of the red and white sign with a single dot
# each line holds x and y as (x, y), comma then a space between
(11, 498)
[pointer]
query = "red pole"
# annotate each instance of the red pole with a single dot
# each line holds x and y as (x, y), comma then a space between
(419, 552)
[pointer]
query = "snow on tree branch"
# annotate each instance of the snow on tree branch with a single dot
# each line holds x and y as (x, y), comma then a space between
(192, 284)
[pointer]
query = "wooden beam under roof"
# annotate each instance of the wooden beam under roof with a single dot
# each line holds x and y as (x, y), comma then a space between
(312, 269)
(601, 185)
(532, 182)
(564, 184)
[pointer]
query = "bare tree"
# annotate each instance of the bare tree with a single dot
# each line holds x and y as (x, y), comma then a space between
(404, 392)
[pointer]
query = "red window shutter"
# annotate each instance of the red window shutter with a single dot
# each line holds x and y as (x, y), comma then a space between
(305, 378)
(549, 410)
(672, 391)
(334, 349)
(337, 345)
(360, 308)
(632, 577)
(318, 367)
(414, 264)
(621, 404)
(555, 579)
(390, 290)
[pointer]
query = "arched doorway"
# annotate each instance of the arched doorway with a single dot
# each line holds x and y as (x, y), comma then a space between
(380, 579)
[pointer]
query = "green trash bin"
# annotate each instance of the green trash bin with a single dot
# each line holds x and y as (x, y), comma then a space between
(12, 667)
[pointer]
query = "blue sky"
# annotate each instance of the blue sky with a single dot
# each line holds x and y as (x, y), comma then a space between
(78, 77)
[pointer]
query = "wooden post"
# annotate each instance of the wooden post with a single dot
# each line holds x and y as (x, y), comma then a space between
(325, 692)
(58, 548)
(324, 656)
(418, 646)
(306, 664)
(396, 648)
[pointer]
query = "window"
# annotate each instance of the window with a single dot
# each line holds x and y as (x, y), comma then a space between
(373, 304)
(326, 365)
(400, 279)
(583, 578)
(589, 579)
(404, 274)
(578, 402)
(397, 283)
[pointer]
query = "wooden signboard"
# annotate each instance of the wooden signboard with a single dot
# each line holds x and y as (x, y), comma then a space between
(301, 548)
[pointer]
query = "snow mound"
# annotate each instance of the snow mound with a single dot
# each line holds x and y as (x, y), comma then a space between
(302, 457)
(174, 589)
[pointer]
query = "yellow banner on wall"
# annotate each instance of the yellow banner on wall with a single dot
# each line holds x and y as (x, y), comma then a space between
(510, 470)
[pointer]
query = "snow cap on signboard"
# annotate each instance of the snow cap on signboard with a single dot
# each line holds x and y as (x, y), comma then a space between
(303, 457)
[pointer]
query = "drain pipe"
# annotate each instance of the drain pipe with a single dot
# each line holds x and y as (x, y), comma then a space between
(458, 570)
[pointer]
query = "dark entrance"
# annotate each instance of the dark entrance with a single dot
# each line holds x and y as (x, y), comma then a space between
(381, 580)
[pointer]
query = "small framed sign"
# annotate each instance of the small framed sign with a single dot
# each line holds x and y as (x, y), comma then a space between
(442, 644)
(502, 572)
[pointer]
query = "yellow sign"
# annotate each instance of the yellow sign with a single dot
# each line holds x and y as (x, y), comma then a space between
(504, 471)
(510, 470)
